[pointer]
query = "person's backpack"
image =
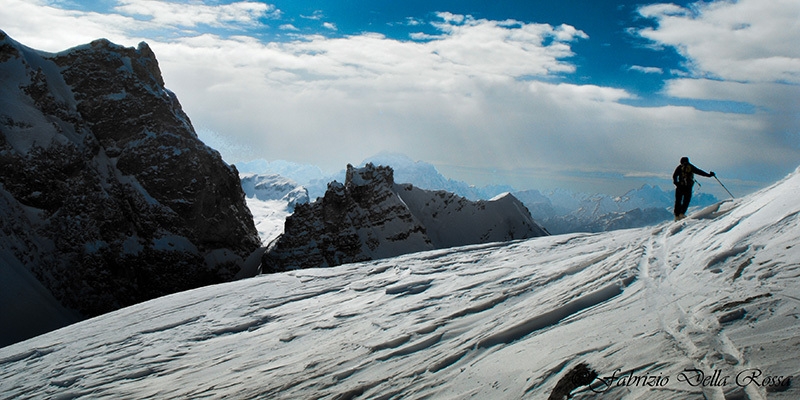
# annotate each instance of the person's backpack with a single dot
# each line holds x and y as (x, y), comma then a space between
(686, 176)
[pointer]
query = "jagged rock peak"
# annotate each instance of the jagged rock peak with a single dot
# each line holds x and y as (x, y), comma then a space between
(109, 196)
(369, 175)
(371, 217)
(140, 61)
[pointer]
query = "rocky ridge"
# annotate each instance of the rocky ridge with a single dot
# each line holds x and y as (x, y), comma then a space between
(371, 217)
(107, 195)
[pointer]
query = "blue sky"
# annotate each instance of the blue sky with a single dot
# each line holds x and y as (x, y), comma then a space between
(598, 96)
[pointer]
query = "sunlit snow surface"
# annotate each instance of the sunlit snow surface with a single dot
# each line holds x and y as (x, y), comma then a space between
(716, 292)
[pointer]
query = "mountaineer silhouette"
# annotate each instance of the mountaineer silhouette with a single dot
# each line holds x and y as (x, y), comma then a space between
(683, 178)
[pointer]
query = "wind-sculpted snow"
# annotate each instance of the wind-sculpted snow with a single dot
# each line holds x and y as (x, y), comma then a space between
(639, 307)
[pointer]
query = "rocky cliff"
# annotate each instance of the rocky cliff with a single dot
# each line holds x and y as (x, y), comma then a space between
(108, 196)
(371, 217)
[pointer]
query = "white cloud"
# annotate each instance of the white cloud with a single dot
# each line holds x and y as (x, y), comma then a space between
(463, 98)
(329, 25)
(671, 10)
(342, 100)
(450, 18)
(411, 21)
(646, 70)
(316, 15)
(192, 14)
(740, 51)
(744, 41)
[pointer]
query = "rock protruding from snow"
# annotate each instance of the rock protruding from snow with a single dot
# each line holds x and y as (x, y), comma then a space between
(111, 198)
(370, 217)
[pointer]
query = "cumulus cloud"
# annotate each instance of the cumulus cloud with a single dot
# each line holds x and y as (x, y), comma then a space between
(742, 51)
(192, 14)
(743, 41)
(50, 28)
(480, 97)
(341, 100)
(316, 15)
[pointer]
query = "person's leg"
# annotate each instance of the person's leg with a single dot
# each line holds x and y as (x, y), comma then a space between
(686, 198)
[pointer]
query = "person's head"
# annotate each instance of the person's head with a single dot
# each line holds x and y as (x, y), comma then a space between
(684, 160)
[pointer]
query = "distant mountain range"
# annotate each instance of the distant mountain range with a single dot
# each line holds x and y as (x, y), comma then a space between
(421, 174)
(370, 217)
(558, 211)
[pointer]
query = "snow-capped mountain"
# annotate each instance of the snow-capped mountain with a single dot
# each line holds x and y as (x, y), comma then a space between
(271, 198)
(425, 176)
(370, 217)
(702, 308)
(309, 176)
(107, 196)
(419, 173)
(559, 211)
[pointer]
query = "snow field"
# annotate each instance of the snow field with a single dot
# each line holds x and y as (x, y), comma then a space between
(716, 293)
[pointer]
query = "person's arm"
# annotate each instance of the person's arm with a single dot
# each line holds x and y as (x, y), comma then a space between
(700, 172)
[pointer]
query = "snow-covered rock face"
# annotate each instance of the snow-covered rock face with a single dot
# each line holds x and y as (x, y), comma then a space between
(111, 198)
(704, 308)
(274, 187)
(370, 217)
(271, 198)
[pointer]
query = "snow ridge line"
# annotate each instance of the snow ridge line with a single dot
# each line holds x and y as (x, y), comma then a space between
(31, 354)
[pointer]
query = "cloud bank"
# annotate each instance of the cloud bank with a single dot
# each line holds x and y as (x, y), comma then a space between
(484, 100)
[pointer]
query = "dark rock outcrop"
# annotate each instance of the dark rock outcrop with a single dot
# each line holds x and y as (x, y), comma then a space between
(580, 375)
(371, 217)
(110, 197)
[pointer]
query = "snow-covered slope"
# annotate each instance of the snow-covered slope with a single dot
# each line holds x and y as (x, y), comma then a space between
(309, 176)
(703, 308)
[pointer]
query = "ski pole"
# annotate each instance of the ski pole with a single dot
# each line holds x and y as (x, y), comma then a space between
(723, 186)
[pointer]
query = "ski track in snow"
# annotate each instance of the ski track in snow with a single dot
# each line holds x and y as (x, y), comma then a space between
(717, 291)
